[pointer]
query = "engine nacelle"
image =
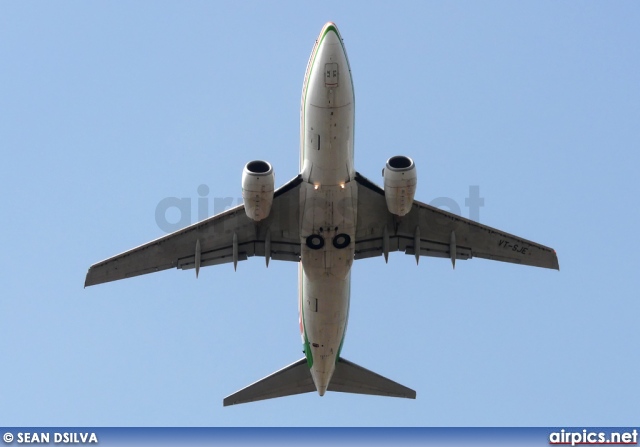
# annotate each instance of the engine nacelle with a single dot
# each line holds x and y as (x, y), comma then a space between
(400, 180)
(258, 182)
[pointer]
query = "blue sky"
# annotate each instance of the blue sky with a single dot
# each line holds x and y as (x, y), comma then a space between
(107, 108)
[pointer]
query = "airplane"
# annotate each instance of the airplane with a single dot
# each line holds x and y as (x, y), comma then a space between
(324, 218)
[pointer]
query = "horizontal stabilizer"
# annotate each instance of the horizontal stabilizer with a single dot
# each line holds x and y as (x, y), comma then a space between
(292, 379)
(296, 379)
(351, 378)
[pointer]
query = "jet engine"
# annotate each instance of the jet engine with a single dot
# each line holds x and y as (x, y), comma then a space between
(400, 179)
(258, 182)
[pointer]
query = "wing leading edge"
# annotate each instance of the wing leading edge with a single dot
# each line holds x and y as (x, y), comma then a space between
(226, 237)
(433, 232)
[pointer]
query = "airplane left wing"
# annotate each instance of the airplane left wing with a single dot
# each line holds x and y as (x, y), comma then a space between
(430, 231)
(230, 236)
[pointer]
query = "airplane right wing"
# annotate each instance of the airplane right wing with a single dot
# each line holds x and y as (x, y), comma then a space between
(430, 231)
(230, 236)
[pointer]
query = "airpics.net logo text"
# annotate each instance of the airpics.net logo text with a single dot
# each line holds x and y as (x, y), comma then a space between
(174, 213)
(587, 437)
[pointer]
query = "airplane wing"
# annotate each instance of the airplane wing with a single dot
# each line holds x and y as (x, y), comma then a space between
(437, 233)
(212, 240)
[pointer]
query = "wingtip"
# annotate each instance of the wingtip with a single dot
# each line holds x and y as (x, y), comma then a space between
(88, 280)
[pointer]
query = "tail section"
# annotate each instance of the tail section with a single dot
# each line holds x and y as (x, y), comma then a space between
(296, 379)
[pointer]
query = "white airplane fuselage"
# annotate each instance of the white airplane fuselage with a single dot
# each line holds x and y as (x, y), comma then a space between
(328, 199)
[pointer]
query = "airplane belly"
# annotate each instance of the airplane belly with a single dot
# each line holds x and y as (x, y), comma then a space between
(325, 311)
(328, 204)
(328, 218)
(328, 145)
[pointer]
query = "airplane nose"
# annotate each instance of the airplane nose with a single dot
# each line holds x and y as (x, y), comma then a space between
(330, 34)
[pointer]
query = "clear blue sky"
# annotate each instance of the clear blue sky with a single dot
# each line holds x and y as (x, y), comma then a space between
(106, 108)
